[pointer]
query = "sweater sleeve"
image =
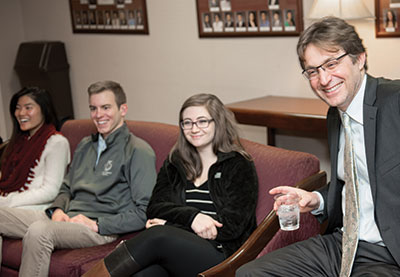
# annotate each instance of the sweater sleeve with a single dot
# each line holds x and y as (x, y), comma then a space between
(165, 201)
(49, 174)
(241, 191)
(64, 195)
(141, 174)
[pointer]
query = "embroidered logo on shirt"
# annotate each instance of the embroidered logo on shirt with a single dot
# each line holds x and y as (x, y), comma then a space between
(217, 175)
(107, 168)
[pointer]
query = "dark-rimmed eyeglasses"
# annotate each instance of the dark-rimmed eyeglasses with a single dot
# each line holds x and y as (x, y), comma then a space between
(201, 123)
(312, 73)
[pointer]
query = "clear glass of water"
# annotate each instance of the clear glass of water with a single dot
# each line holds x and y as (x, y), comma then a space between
(288, 211)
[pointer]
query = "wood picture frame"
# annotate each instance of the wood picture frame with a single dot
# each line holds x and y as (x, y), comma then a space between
(109, 16)
(246, 18)
(387, 14)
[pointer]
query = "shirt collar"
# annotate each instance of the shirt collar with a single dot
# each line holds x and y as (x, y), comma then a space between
(355, 109)
(101, 146)
(101, 140)
(111, 137)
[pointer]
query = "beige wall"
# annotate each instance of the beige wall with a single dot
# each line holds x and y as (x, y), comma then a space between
(11, 34)
(3, 132)
(162, 69)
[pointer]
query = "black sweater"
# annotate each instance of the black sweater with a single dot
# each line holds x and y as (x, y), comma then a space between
(233, 188)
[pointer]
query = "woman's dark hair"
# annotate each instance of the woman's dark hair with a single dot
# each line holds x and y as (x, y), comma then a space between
(393, 17)
(43, 99)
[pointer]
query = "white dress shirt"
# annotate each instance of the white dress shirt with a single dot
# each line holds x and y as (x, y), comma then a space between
(101, 146)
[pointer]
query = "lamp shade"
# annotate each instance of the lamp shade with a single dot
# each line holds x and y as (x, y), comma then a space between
(344, 9)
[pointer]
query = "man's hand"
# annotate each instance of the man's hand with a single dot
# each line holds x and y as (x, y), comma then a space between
(205, 226)
(59, 215)
(154, 222)
(308, 201)
(81, 219)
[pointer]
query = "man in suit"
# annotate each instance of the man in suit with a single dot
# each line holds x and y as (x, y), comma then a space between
(240, 21)
(334, 61)
(228, 20)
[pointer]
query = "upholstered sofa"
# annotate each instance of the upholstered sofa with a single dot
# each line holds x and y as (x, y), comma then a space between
(274, 166)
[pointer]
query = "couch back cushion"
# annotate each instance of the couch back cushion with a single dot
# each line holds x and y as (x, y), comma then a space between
(160, 136)
(277, 167)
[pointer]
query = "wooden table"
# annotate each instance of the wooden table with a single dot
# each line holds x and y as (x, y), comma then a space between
(297, 116)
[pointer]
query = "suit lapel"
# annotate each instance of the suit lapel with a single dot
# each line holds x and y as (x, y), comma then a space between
(333, 136)
(370, 113)
(335, 188)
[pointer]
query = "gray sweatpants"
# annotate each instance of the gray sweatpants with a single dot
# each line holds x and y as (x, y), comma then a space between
(40, 236)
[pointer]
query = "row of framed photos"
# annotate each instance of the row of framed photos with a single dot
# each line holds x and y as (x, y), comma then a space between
(119, 3)
(217, 18)
(249, 21)
(226, 5)
(109, 19)
(109, 16)
(230, 18)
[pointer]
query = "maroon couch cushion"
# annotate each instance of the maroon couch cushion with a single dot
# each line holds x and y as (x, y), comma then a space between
(277, 167)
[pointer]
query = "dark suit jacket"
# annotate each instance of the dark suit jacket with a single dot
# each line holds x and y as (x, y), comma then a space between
(382, 143)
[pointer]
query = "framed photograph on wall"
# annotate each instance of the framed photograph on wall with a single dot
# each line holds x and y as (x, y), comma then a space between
(243, 18)
(387, 14)
(109, 16)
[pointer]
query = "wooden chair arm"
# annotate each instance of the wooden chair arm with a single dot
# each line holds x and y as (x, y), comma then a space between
(313, 182)
(265, 231)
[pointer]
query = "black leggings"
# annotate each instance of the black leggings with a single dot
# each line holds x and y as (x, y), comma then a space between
(170, 251)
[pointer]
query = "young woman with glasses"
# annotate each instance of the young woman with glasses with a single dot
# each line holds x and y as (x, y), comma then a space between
(203, 205)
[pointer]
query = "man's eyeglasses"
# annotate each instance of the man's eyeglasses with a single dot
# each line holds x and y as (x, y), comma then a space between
(201, 123)
(329, 66)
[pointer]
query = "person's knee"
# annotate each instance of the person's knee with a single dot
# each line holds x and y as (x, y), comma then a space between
(153, 238)
(245, 270)
(38, 232)
(241, 271)
(5, 213)
(157, 233)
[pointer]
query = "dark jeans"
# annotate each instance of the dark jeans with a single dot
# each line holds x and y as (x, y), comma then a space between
(321, 256)
(170, 251)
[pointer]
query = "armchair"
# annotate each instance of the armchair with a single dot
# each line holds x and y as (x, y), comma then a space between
(275, 167)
